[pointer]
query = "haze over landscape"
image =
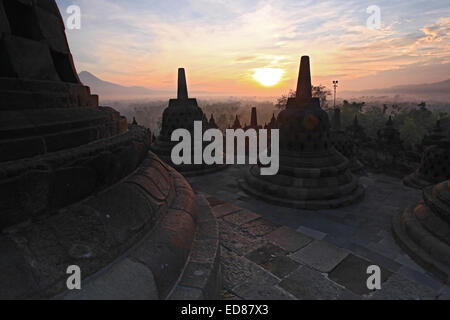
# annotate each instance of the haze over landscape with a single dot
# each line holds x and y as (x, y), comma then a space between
(224, 44)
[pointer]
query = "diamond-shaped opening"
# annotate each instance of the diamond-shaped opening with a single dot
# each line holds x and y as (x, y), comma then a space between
(6, 69)
(22, 20)
(64, 67)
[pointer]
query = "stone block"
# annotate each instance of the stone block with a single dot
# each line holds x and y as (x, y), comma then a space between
(398, 287)
(22, 148)
(224, 209)
(237, 241)
(52, 30)
(24, 197)
(320, 255)
(309, 284)
(126, 280)
(184, 293)
(71, 185)
(238, 270)
(30, 59)
(288, 239)
(241, 217)
(352, 274)
(260, 227)
(261, 292)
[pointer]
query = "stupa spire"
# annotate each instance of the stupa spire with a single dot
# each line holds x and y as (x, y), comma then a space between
(304, 87)
(182, 86)
(254, 118)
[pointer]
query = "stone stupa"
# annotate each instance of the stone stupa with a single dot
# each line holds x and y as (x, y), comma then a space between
(423, 231)
(236, 124)
(181, 114)
(78, 187)
(343, 142)
(435, 164)
(312, 175)
(253, 121)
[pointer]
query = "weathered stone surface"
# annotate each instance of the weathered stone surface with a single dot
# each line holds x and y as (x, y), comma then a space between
(185, 293)
(126, 280)
(320, 255)
(260, 227)
(289, 239)
(238, 270)
(308, 284)
(400, 288)
(237, 241)
(273, 259)
(38, 76)
(261, 292)
(20, 281)
(424, 231)
(225, 209)
(52, 181)
(241, 217)
(352, 274)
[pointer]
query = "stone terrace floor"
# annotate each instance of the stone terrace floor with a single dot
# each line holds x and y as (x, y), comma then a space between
(271, 252)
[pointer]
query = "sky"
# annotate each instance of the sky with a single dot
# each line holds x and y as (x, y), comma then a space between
(222, 43)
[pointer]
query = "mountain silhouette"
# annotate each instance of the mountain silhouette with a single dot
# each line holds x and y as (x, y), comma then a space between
(109, 90)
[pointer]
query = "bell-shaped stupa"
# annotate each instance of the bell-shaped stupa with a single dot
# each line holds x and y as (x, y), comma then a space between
(312, 175)
(435, 164)
(424, 230)
(343, 142)
(79, 187)
(181, 114)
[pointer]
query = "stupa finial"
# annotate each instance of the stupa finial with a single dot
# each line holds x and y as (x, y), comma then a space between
(182, 86)
(304, 87)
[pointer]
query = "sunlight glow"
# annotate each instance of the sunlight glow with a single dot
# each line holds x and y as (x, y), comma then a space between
(267, 76)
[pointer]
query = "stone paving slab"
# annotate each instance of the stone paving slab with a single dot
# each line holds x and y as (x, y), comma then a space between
(321, 256)
(352, 274)
(241, 217)
(308, 284)
(274, 259)
(256, 291)
(262, 260)
(288, 239)
(400, 288)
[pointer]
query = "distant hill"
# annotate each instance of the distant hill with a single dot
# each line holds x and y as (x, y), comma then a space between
(109, 90)
(437, 90)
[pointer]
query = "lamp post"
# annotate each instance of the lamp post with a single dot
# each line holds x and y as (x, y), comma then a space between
(335, 85)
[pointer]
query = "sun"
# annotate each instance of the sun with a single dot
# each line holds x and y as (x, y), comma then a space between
(268, 76)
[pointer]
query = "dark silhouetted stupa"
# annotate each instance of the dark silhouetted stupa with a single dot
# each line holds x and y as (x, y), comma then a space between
(424, 230)
(253, 121)
(343, 142)
(435, 164)
(78, 187)
(181, 114)
(313, 175)
(236, 124)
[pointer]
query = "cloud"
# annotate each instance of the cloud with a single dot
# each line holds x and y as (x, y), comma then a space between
(221, 42)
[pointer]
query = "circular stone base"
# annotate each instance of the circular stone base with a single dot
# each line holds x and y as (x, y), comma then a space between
(163, 148)
(416, 252)
(147, 237)
(416, 181)
(306, 204)
(195, 170)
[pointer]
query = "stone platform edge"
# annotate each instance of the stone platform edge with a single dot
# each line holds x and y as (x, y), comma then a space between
(130, 241)
(202, 276)
(37, 186)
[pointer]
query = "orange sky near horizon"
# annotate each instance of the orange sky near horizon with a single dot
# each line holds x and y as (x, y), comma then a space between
(221, 43)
